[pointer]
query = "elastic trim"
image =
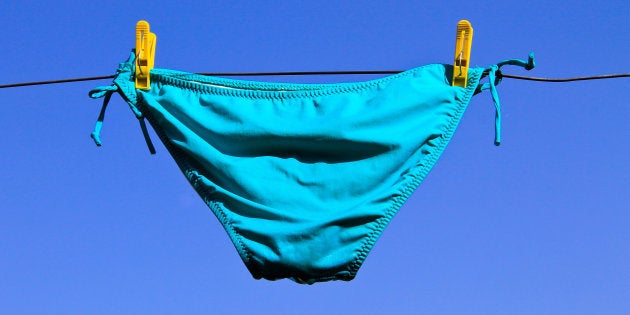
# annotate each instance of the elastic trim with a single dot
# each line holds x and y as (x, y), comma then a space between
(267, 90)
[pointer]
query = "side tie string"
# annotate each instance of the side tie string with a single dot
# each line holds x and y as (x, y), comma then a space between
(107, 91)
(494, 78)
(96, 134)
(492, 85)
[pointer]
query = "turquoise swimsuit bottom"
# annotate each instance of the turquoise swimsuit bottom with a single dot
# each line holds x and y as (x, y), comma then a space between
(303, 177)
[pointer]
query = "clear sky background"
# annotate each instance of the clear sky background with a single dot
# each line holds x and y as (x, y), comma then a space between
(539, 225)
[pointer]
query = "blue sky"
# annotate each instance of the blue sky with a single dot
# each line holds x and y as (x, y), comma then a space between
(539, 225)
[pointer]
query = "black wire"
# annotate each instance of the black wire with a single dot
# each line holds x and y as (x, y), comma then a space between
(287, 73)
(594, 77)
(104, 77)
(346, 72)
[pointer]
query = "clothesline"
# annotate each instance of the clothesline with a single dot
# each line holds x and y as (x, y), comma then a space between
(297, 73)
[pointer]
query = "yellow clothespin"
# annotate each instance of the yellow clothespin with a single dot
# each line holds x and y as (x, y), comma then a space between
(463, 43)
(145, 55)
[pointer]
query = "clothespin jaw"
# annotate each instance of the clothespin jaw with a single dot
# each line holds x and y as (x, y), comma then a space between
(145, 55)
(463, 44)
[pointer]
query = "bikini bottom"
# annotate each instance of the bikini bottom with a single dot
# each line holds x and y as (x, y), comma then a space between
(304, 177)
